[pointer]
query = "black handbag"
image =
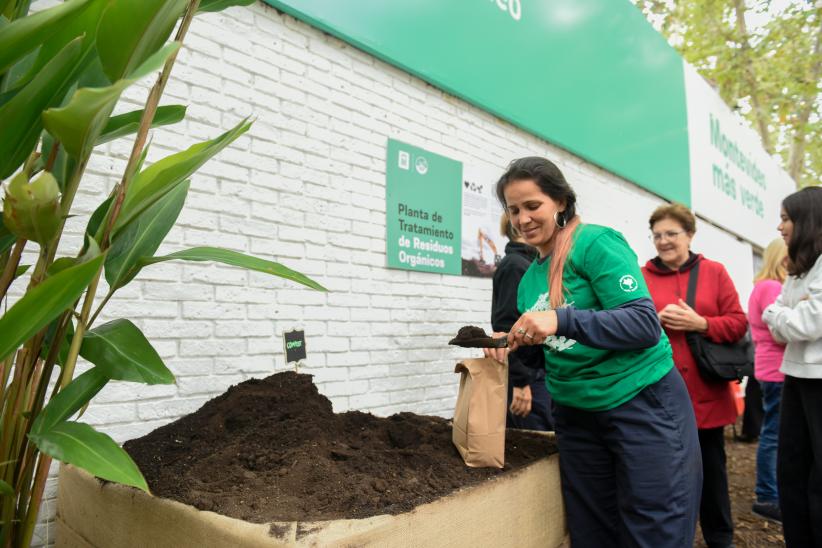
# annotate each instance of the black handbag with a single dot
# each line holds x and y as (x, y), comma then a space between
(718, 361)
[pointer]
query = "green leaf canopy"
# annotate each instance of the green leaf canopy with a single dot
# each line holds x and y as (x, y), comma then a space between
(41, 304)
(121, 351)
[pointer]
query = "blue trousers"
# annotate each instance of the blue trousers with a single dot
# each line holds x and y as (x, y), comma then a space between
(632, 475)
(766, 490)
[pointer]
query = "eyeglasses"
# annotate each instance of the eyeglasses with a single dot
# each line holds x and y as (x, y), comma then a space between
(670, 235)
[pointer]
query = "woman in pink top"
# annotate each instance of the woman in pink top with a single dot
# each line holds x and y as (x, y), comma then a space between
(768, 359)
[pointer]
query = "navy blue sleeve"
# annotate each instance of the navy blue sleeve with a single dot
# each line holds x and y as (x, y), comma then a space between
(524, 364)
(631, 326)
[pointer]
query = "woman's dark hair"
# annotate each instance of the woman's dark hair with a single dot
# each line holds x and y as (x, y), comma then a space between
(804, 209)
(552, 183)
(548, 178)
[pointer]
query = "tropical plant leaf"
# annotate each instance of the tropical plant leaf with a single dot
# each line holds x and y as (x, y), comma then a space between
(220, 5)
(128, 123)
(70, 400)
(22, 124)
(234, 258)
(81, 23)
(78, 124)
(141, 237)
(22, 269)
(5, 489)
(156, 180)
(81, 445)
(132, 30)
(41, 304)
(121, 351)
(24, 35)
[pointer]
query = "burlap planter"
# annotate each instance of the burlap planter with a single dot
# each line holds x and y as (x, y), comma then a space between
(522, 509)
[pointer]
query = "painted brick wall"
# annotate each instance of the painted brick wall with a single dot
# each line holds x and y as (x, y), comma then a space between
(305, 186)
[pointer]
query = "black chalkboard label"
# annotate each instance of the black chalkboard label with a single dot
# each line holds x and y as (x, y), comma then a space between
(294, 343)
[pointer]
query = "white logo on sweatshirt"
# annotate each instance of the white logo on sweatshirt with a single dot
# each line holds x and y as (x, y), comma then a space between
(554, 343)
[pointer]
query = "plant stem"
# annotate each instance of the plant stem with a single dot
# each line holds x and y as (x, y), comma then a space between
(76, 341)
(100, 308)
(145, 122)
(52, 156)
(11, 267)
(36, 498)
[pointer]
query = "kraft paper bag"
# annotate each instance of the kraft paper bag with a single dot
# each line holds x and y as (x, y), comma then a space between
(478, 431)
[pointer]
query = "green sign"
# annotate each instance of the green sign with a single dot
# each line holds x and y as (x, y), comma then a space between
(591, 76)
(423, 195)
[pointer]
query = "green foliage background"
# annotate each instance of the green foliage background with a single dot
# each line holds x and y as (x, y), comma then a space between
(764, 58)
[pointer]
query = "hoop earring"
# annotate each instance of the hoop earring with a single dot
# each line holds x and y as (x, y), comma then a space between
(558, 218)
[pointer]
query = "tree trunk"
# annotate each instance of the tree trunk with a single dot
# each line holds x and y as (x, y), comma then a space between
(750, 77)
(796, 158)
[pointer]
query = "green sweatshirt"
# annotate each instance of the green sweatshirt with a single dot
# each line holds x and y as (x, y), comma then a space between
(601, 273)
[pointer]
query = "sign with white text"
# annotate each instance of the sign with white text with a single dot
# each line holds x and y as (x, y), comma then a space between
(423, 209)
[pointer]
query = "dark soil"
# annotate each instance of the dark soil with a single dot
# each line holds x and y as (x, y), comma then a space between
(471, 336)
(749, 529)
(273, 450)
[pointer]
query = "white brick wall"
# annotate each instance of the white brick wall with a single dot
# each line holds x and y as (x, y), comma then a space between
(305, 187)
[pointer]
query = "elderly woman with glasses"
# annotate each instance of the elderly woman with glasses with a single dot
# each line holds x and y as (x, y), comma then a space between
(716, 314)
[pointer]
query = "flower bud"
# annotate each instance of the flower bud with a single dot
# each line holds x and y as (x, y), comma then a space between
(32, 210)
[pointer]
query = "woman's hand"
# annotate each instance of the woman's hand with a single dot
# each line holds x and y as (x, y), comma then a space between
(521, 401)
(532, 328)
(681, 317)
(499, 354)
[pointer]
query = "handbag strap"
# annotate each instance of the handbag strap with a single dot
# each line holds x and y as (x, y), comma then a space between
(690, 298)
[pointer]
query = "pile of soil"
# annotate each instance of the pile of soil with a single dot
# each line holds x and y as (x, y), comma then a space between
(273, 450)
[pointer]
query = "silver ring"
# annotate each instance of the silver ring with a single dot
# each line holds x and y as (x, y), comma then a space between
(529, 336)
(520, 331)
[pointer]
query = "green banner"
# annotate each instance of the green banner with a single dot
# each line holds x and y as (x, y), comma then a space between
(423, 195)
(591, 76)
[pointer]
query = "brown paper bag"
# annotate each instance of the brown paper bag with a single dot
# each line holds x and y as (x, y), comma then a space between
(479, 419)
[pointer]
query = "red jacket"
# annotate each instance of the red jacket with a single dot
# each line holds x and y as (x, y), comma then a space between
(718, 302)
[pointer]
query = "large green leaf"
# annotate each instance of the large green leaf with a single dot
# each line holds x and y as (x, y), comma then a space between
(21, 123)
(79, 444)
(128, 123)
(143, 236)
(156, 180)
(43, 303)
(234, 258)
(69, 400)
(132, 30)
(220, 5)
(122, 352)
(81, 23)
(23, 35)
(78, 124)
